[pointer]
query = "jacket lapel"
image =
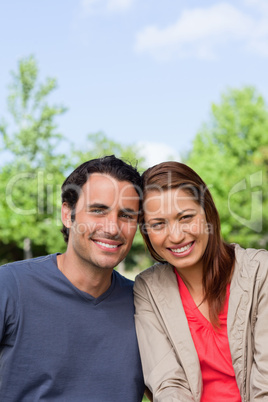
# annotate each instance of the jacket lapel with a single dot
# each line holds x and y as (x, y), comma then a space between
(168, 299)
(238, 318)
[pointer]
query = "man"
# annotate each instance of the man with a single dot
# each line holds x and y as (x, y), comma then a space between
(66, 320)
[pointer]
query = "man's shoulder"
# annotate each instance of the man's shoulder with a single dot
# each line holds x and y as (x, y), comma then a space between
(122, 280)
(31, 263)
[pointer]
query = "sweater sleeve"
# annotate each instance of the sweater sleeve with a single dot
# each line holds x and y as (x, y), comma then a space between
(8, 304)
(259, 372)
(163, 373)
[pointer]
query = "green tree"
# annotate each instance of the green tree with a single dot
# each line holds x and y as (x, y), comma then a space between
(35, 167)
(230, 153)
(34, 170)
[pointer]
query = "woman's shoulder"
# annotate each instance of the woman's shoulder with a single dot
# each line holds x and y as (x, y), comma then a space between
(155, 273)
(250, 258)
(159, 280)
(251, 254)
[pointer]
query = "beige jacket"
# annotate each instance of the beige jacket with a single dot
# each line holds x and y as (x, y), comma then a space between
(169, 359)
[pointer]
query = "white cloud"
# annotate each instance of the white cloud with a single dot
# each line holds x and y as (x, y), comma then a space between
(261, 5)
(258, 42)
(200, 32)
(100, 6)
(119, 5)
(156, 152)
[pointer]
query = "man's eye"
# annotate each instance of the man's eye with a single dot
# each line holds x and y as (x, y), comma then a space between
(127, 216)
(97, 211)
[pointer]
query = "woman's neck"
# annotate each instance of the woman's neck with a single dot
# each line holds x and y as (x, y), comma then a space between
(193, 279)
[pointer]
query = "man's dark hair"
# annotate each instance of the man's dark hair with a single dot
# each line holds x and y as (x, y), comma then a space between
(110, 165)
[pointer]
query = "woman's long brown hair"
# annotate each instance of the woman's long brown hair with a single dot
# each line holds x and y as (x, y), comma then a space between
(218, 259)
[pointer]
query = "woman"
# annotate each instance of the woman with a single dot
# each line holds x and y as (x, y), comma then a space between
(202, 311)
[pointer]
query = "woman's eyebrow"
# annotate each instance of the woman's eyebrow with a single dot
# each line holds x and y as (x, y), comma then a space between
(186, 210)
(160, 218)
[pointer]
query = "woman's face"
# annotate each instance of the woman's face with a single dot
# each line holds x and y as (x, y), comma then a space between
(177, 227)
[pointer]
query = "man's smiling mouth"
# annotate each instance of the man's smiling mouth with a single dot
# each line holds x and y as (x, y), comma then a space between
(111, 246)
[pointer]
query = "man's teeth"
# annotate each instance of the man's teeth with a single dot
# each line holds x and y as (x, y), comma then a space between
(182, 249)
(106, 244)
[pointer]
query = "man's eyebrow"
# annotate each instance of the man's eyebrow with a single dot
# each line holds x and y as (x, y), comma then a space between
(97, 205)
(129, 210)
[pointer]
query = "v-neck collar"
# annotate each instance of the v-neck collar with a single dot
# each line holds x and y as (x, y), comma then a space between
(85, 295)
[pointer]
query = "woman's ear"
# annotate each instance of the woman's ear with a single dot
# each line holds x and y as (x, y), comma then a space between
(66, 215)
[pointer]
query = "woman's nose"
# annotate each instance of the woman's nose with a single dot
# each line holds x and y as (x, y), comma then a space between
(176, 233)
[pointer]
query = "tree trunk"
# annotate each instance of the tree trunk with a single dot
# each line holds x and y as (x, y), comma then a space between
(27, 248)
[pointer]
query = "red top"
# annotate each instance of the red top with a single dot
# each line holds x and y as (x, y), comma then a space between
(212, 346)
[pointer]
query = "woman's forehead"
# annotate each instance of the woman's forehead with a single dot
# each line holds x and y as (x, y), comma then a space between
(170, 201)
(177, 193)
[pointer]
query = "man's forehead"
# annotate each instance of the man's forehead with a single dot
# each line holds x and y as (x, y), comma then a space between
(103, 188)
(104, 179)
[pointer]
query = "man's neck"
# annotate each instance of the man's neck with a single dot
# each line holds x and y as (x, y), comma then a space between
(92, 281)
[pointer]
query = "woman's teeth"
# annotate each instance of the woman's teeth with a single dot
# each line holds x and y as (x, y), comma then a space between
(182, 249)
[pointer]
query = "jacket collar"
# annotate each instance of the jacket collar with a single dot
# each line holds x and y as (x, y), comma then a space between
(171, 309)
(164, 288)
(238, 318)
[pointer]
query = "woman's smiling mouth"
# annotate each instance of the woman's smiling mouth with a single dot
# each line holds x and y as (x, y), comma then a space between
(183, 249)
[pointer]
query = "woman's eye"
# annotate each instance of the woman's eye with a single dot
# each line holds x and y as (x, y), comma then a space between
(157, 225)
(186, 217)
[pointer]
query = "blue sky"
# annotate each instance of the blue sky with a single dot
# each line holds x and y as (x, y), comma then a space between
(138, 70)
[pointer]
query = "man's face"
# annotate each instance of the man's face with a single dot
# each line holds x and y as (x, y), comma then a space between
(105, 222)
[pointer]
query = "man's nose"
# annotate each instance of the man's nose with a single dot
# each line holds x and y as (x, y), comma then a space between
(111, 224)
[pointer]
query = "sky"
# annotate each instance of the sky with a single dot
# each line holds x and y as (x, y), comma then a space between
(141, 71)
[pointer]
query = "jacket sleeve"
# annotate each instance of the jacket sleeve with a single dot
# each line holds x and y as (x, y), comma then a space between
(259, 371)
(163, 374)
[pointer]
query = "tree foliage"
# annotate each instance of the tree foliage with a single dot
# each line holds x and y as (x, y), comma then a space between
(30, 178)
(230, 153)
(34, 137)
(98, 145)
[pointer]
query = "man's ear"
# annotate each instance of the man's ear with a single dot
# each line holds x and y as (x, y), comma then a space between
(66, 215)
